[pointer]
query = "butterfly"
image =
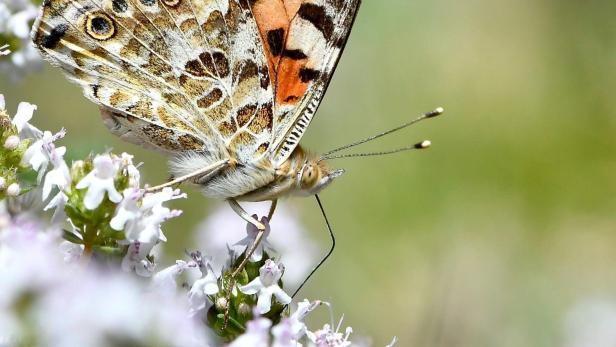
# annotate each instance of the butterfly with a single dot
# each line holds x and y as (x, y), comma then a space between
(226, 87)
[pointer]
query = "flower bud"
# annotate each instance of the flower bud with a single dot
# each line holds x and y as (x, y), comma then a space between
(13, 189)
(221, 304)
(244, 309)
(11, 142)
(2, 183)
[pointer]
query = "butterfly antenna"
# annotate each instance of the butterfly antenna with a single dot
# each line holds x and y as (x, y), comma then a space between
(331, 250)
(421, 145)
(437, 112)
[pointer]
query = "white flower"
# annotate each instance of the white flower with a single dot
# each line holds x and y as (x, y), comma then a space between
(256, 335)
(59, 176)
(24, 113)
(266, 286)
(100, 180)
(326, 337)
(136, 259)
(145, 225)
(296, 320)
(283, 334)
(202, 287)
(58, 202)
(129, 169)
(166, 279)
(129, 209)
(252, 232)
(2, 182)
(38, 154)
(141, 218)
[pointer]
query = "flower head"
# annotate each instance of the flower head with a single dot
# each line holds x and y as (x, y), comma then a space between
(266, 286)
(327, 337)
(202, 287)
(100, 181)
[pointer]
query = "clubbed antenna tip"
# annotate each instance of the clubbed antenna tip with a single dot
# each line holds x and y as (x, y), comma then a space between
(437, 112)
(423, 144)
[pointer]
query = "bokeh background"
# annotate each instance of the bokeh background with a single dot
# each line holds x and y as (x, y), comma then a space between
(503, 233)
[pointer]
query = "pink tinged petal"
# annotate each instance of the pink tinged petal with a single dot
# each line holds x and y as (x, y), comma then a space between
(112, 192)
(94, 197)
(253, 287)
(264, 302)
(85, 182)
(211, 284)
(23, 115)
(281, 296)
(258, 254)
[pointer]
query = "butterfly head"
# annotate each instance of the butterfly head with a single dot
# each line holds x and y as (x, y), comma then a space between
(314, 176)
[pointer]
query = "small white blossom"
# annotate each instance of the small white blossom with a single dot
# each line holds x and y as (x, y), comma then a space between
(129, 209)
(327, 337)
(252, 232)
(266, 286)
(166, 279)
(202, 287)
(2, 182)
(256, 335)
(38, 154)
(13, 189)
(59, 176)
(24, 113)
(11, 142)
(136, 259)
(100, 180)
(129, 169)
(58, 202)
(283, 334)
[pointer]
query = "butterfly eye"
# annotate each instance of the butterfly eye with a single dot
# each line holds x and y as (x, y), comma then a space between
(171, 3)
(100, 27)
(309, 177)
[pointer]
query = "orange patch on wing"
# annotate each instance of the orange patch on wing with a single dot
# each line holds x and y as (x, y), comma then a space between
(289, 86)
(272, 16)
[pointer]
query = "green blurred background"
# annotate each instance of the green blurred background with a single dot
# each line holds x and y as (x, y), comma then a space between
(494, 234)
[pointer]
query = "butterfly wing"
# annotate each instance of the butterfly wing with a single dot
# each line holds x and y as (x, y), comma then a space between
(176, 75)
(303, 40)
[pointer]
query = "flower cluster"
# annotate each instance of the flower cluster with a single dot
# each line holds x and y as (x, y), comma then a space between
(61, 281)
(16, 17)
(100, 197)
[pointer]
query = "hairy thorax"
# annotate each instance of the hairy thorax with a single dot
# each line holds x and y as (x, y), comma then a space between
(301, 174)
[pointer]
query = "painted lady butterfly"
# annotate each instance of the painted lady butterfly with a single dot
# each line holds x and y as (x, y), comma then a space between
(227, 87)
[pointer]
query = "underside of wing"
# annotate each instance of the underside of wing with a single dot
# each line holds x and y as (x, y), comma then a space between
(303, 41)
(178, 75)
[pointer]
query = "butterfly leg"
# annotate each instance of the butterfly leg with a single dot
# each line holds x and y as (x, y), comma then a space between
(205, 172)
(272, 209)
(248, 253)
